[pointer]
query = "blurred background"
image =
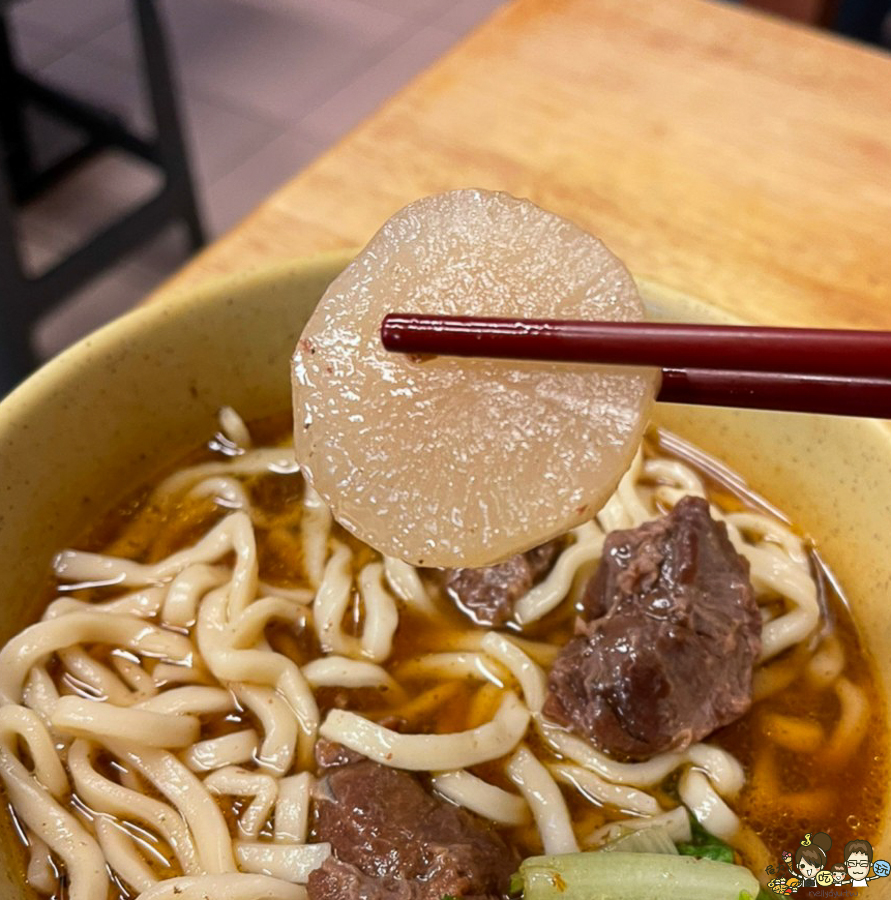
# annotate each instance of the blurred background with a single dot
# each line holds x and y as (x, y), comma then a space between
(133, 131)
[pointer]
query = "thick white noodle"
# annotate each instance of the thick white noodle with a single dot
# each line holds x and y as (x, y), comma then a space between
(257, 666)
(41, 812)
(764, 527)
(723, 769)
(123, 857)
(280, 730)
(406, 584)
(291, 819)
(332, 600)
(529, 675)
(852, 724)
(338, 671)
(315, 530)
(251, 462)
(637, 510)
(602, 792)
(675, 473)
(827, 663)
(190, 797)
(193, 674)
(544, 654)
(236, 782)
(105, 721)
(615, 513)
(225, 491)
(196, 700)
(485, 799)
(796, 734)
(234, 533)
(425, 752)
(451, 665)
(40, 693)
(93, 677)
(41, 873)
(642, 774)
(187, 588)
(545, 800)
(246, 629)
(228, 750)
(145, 603)
(137, 679)
(772, 570)
(37, 642)
(303, 596)
(108, 798)
(234, 428)
(238, 886)
(712, 813)
(18, 723)
(675, 821)
(549, 593)
(290, 862)
(381, 614)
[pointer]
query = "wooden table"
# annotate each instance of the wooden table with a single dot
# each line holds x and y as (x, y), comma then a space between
(730, 155)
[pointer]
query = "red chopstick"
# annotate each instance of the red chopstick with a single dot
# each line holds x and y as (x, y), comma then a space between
(791, 369)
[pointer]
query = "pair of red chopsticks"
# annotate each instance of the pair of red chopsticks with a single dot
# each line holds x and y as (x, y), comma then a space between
(846, 373)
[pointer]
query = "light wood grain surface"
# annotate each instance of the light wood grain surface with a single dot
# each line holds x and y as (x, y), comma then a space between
(733, 156)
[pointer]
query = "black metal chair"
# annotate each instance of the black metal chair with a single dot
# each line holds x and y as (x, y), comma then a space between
(24, 299)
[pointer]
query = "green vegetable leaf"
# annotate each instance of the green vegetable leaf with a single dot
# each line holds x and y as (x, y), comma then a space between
(705, 846)
(632, 876)
(515, 888)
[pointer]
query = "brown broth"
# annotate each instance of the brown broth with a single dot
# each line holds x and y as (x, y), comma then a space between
(787, 794)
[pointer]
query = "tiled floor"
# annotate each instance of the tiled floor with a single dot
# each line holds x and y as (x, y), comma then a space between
(267, 85)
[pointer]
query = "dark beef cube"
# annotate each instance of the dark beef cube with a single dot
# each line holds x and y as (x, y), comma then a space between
(488, 594)
(665, 653)
(542, 558)
(392, 839)
(330, 754)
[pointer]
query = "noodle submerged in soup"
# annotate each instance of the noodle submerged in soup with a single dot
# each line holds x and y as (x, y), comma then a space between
(160, 722)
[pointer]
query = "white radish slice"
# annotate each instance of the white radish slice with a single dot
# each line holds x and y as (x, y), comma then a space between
(460, 462)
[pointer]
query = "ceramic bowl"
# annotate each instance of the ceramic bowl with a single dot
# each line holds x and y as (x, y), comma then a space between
(105, 415)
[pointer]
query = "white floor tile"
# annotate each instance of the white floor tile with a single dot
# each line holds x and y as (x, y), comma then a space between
(276, 63)
(35, 46)
(416, 10)
(92, 197)
(266, 86)
(463, 16)
(235, 195)
(78, 20)
(220, 136)
(110, 295)
(374, 85)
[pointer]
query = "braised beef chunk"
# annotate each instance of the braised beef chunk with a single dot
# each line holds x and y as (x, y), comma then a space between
(330, 754)
(670, 634)
(392, 840)
(488, 595)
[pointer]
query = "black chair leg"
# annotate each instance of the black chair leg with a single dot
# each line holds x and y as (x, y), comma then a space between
(24, 299)
(17, 357)
(171, 146)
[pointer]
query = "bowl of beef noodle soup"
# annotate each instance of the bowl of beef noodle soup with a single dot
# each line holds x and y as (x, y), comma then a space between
(212, 688)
